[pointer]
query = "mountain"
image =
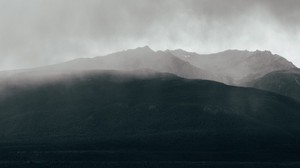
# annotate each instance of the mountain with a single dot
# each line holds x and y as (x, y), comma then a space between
(140, 112)
(285, 82)
(132, 59)
(235, 66)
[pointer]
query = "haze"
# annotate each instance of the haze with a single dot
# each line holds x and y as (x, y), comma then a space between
(42, 32)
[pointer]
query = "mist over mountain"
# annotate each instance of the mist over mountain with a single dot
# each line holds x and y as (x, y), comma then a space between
(141, 104)
(128, 60)
(234, 66)
(219, 86)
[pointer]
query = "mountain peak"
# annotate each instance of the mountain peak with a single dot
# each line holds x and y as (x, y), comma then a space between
(139, 50)
(237, 52)
(145, 48)
(267, 52)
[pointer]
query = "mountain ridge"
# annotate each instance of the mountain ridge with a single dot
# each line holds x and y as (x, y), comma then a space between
(233, 67)
(132, 59)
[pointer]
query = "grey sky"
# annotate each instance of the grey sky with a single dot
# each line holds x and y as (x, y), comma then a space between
(40, 32)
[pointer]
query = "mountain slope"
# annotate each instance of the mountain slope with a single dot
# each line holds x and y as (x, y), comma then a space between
(232, 67)
(236, 67)
(133, 59)
(285, 82)
(156, 112)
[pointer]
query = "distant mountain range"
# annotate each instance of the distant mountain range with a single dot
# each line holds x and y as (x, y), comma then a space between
(231, 67)
(133, 59)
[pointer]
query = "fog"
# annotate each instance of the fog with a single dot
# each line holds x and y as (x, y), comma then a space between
(43, 32)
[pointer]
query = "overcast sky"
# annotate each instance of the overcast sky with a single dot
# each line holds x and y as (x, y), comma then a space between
(41, 32)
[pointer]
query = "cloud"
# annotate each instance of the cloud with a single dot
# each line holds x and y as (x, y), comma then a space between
(40, 32)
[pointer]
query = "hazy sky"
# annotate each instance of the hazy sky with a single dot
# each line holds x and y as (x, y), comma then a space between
(40, 32)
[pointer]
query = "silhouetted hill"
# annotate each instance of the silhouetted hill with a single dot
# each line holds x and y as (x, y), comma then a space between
(110, 110)
(234, 66)
(285, 82)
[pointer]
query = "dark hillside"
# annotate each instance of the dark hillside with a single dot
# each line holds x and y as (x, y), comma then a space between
(162, 112)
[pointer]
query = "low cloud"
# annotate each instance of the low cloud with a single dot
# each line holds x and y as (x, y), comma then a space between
(35, 32)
